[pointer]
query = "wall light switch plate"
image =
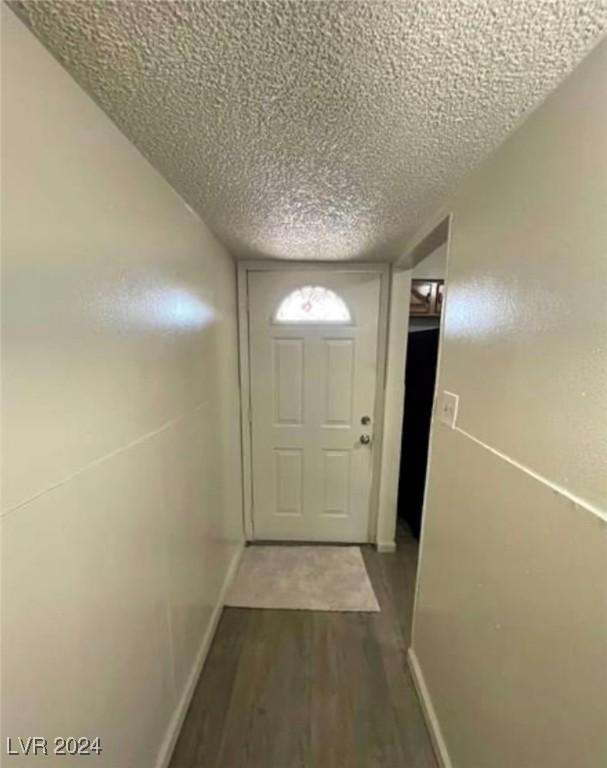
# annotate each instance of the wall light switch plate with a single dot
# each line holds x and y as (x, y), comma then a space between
(449, 403)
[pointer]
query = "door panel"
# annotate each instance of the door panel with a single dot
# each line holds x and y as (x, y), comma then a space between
(339, 374)
(336, 476)
(311, 384)
(288, 480)
(288, 381)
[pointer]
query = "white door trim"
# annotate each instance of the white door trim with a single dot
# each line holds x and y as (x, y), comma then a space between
(243, 268)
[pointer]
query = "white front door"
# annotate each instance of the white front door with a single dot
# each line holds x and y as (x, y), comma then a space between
(313, 367)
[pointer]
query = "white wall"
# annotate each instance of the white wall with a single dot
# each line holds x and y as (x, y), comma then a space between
(510, 629)
(121, 472)
(433, 266)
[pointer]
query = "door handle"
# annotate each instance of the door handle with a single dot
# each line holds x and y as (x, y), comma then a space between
(365, 439)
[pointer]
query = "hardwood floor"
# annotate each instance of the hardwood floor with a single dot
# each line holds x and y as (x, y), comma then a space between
(303, 689)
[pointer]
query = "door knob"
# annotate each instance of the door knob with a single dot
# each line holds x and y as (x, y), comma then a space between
(365, 439)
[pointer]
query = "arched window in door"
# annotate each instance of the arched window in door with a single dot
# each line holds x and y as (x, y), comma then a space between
(312, 304)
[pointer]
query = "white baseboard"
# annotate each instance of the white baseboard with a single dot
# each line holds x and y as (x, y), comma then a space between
(384, 547)
(170, 739)
(436, 736)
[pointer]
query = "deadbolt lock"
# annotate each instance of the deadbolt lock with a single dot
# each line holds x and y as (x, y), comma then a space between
(365, 420)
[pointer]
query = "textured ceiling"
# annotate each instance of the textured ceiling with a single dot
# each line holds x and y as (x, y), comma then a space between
(304, 129)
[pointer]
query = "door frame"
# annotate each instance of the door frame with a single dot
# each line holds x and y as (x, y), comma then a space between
(384, 272)
(434, 233)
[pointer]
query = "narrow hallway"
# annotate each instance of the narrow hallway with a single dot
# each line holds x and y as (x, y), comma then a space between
(313, 689)
(234, 234)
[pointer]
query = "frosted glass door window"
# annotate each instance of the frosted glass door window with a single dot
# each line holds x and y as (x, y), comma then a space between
(312, 304)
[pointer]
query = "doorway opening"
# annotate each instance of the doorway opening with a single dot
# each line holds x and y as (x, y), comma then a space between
(425, 307)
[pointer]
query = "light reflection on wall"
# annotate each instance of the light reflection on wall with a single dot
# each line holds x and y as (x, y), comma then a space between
(180, 309)
(484, 309)
(155, 307)
(473, 310)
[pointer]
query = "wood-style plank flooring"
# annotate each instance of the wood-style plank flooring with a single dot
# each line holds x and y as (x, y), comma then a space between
(304, 689)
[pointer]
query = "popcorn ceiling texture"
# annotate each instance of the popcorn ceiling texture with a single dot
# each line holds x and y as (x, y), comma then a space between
(316, 130)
